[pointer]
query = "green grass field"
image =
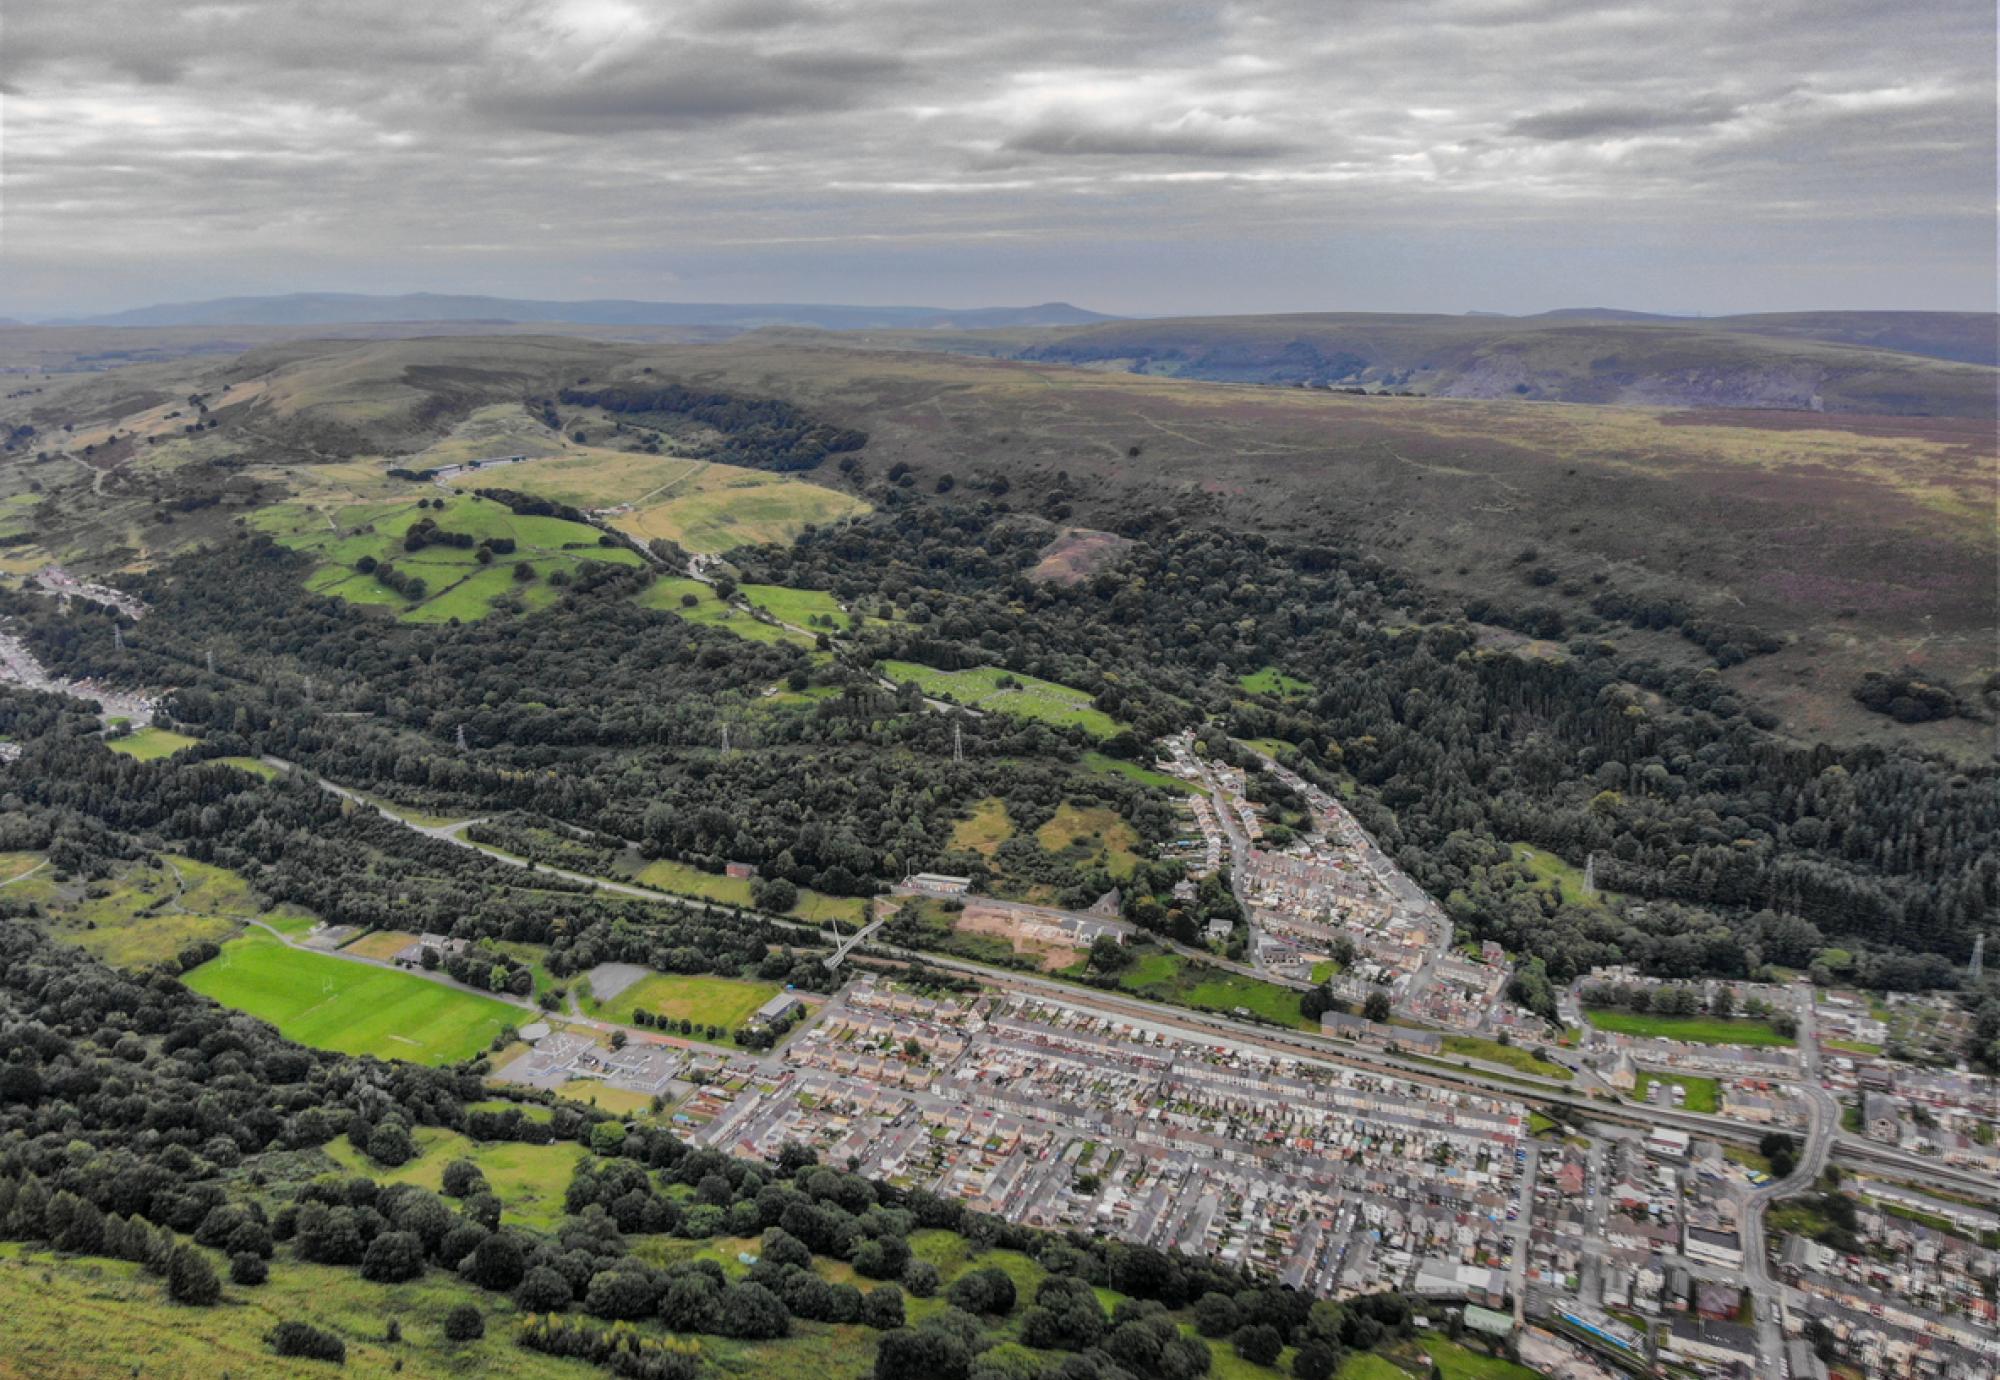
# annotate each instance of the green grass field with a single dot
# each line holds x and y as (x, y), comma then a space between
(1271, 681)
(356, 1008)
(1701, 1030)
(1703, 1094)
(719, 1001)
(669, 591)
(150, 744)
(459, 586)
(1168, 977)
(1513, 1056)
(798, 607)
(1026, 698)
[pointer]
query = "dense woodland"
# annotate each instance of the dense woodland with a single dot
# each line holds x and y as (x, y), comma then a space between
(1720, 849)
(1734, 849)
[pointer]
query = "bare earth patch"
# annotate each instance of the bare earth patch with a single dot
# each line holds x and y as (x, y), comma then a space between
(1050, 954)
(1076, 554)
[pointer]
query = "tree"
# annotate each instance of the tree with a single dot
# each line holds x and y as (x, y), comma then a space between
(495, 1263)
(393, 1257)
(691, 1303)
(1316, 1359)
(462, 1178)
(750, 1312)
(390, 1145)
(921, 1278)
(1108, 954)
(987, 1291)
(882, 1308)
(465, 1323)
(925, 1354)
(1259, 1343)
(1216, 1315)
(543, 1290)
(1376, 1008)
(190, 1278)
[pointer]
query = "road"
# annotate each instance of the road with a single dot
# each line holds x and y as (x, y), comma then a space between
(1822, 1140)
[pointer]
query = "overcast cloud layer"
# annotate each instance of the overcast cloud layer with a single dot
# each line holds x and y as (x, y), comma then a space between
(1680, 155)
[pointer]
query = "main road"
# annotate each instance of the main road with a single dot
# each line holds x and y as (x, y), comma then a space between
(1823, 1137)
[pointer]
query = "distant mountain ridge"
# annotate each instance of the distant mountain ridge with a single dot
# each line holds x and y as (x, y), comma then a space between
(347, 308)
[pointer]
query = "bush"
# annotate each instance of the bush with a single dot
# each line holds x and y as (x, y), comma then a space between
(303, 1339)
(248, 1268)
(1259, 1344)
(989, 1291)
(393, 1257)
(921, 1278)
(191, 1279)
(464, 1323)
(543, 1291)
(462, 1179)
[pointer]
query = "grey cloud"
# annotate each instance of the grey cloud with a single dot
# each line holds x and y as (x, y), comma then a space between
(1186, 137)
(1600, 121)
(1239, 138)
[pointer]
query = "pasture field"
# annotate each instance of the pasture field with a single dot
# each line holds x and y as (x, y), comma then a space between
(457, 584)
(150, 744)
(684, 879)
(799, 607)
(1700, 1030)
(721, 507)
(1271, 681)
(356, 1008)
(668, 592)
(1090, 836)
(1024, 697)
(1703, 1094)
(719, 1001)
(530, 1180)
(14, 865)
(985, 829)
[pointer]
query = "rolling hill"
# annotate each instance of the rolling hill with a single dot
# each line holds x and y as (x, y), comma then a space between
(1901, 363)
(347, 308)
(1850, 542)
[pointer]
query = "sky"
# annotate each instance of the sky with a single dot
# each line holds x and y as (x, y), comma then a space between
(1140, 158)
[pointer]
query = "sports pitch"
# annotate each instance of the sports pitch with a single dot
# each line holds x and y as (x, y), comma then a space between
(355, 1008)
